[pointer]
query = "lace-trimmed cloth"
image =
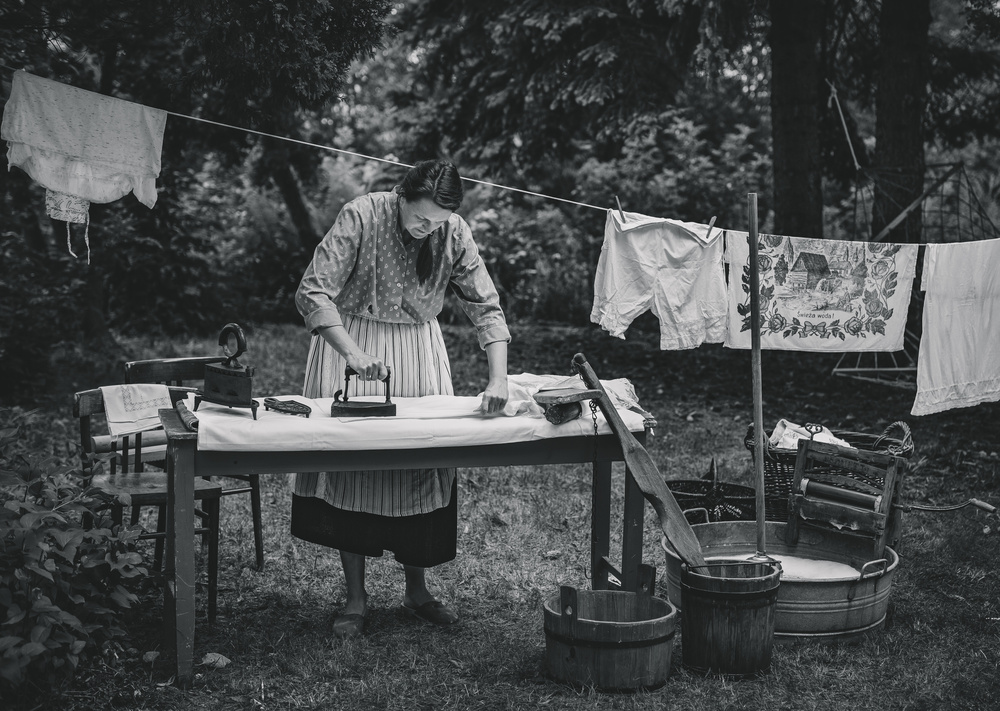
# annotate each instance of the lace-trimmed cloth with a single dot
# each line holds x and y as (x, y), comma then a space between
(81, 144)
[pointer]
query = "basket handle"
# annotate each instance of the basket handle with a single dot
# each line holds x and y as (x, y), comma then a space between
(748, 442)
(697, 509)
(906, 438)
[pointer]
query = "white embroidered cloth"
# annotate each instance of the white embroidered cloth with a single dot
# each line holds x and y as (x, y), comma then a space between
(820, 294)
(786, 435)
(958, 364)
(420, 422)
(521, 391)
(81, 143)
(134, 408)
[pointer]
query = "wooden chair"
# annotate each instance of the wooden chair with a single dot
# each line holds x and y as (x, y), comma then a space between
(190, 371)
(130, 472)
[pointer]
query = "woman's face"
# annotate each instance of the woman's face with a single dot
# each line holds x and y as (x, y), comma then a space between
(421, 217)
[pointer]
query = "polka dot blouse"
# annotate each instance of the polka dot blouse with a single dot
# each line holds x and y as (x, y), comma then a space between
(366, 266)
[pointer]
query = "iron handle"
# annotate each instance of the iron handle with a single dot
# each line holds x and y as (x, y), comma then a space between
(233, 329)
(349, 371)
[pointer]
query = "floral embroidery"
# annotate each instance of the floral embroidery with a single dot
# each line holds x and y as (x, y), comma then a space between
(823, 289)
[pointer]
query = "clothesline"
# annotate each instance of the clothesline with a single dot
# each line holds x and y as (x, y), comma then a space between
(362, 155)
(381, 160)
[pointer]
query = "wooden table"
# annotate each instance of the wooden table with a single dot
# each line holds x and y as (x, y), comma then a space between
(185, 462)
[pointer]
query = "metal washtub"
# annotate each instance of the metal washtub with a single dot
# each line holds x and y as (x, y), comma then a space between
(833, 610)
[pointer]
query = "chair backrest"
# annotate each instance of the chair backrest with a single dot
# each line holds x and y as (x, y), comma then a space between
(170, 371)
(88, 405)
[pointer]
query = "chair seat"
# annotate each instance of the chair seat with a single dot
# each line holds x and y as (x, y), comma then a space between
(149, 488)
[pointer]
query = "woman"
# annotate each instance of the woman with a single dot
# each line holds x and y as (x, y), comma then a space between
(371, 296)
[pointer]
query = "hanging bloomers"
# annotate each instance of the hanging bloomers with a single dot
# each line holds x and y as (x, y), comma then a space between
(81, 146)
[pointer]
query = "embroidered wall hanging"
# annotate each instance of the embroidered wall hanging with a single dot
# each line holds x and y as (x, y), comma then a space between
(821, 295)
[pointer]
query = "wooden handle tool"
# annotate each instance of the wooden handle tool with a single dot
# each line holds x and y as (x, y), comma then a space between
(653, 486)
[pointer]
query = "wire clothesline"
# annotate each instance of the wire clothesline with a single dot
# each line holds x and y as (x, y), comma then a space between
(361, 155)
(381, 160)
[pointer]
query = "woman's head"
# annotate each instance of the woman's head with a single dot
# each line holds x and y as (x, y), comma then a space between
(436, 180)
(431, 190)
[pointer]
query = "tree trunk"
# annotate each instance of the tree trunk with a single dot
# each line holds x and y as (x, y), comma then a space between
(902, 77)
(288, 185)
(796, 30)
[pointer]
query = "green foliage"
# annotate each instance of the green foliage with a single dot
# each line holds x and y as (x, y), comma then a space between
(685, 164)
(514, 84)
(540, 263)
(256, 64)
(39, 312)
(63, 586)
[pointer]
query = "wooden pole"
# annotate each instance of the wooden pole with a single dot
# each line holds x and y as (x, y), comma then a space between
(758, 406)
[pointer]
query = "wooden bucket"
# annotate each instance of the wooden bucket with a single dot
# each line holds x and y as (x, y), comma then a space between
(728, 622)
(612, 640)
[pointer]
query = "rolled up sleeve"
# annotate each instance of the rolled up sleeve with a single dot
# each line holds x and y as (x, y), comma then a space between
(475, 291)
(328, 272)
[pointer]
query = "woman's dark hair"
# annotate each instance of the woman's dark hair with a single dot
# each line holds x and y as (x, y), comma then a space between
(438, 180)
(435, 179)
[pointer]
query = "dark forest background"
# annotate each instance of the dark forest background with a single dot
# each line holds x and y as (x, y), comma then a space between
(677, 108)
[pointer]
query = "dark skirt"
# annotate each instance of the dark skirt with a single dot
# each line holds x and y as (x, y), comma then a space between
(423, 540)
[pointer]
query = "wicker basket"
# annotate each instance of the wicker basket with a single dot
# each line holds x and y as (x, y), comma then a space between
(723, 501)
(779, 464)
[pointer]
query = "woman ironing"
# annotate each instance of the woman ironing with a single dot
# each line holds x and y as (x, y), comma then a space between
(371, 296)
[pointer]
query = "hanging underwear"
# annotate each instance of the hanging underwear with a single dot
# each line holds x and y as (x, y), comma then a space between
(669, 267)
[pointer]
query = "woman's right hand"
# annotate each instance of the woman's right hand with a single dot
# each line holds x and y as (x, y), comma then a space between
(367, 367)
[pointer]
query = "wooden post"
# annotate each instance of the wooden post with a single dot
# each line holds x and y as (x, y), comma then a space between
(600, 525)
(758, 406)
(180, 575)
(632, 529)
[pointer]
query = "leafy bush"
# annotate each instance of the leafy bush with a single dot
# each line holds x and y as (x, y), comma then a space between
(542, 265)
(63, 585)
(39, 311)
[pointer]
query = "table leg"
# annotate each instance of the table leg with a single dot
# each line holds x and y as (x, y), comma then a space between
(180, 576)
(632, 525)
(600, 525)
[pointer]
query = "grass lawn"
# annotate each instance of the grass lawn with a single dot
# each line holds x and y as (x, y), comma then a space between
(523, 532)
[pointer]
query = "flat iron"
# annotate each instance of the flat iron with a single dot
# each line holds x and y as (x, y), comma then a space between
(229, 383)
(342, 407)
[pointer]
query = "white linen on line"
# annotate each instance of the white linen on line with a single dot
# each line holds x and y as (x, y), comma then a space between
(958, 364)
(420, 422)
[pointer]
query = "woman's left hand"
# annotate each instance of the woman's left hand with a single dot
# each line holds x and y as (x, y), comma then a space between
(495, 396)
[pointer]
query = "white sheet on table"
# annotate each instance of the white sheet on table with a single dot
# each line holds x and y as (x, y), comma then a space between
(432, 421)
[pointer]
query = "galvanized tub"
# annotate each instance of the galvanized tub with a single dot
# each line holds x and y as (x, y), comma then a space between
(826, 610)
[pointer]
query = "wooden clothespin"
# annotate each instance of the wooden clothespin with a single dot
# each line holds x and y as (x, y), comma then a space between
(620, 211)
(711, 224)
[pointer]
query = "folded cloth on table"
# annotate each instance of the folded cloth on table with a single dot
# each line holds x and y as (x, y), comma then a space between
(189, 419)
(521, 391)
(134, 408)
(787, 434)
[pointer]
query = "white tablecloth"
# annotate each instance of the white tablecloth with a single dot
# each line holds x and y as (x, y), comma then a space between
(420, 422)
